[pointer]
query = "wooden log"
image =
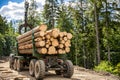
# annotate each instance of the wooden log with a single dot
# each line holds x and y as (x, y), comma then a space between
(65, 38)
(37, 44)
(40, 44)
(55, 33)
(42, 50)
(69, 35)
(67, 49)
(52, 50)
(61, 51)
(60, 38)
(55, 42)
(47, 36)
(65, 33)
(47, 41)
(67, 44)
(38, 39)
(30, 51)
(26, 51)
(62, 41)
(51, 39)
(61, 34)
(43, 38)
(38, 34)
(39, 28)
(68, 41)
(61, 46)
(29, 46)
(47, 45)
(30, 41)
(42, 27)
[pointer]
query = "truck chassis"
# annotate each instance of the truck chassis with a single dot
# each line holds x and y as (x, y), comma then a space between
(38, 67)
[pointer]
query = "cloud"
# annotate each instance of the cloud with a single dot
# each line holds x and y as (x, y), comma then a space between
(15, 11)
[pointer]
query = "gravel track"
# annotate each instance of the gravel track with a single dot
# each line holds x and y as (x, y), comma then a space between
(79, 74)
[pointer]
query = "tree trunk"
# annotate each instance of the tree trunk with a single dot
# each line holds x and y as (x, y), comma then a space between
(107, 26)
(97, 32)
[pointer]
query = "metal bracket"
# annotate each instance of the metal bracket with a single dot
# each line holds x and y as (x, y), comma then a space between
(17, 53)
(35, 53)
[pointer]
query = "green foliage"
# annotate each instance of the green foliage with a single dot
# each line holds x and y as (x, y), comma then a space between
(7, 37)
(50, 12)
(115, 58)
(34, 18)
(117, 69)
(2, 43)
(104, 66)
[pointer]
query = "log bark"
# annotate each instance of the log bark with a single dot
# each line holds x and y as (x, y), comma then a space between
(30, 41)
(38, 34)
(30, 51)
(26, 51)
(36, 29)
(37, 44)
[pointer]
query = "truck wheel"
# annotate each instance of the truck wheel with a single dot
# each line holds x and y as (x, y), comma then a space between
(11, 63)
(69, 69)
(39, 69)
(15, 64)
(19, 65)
(32, 67)
(58, 72)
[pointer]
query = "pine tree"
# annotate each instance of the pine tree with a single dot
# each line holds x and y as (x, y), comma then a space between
(50, 12)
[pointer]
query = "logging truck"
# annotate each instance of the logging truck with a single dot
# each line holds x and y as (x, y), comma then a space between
(42, 50)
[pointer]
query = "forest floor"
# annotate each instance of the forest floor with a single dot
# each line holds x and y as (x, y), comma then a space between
(79, 74)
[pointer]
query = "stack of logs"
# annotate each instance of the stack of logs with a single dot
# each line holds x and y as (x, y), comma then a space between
(46, 41)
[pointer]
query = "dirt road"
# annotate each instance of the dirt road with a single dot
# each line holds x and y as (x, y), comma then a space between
(79, 74)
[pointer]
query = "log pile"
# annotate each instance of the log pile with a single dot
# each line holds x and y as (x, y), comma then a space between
(46, 41)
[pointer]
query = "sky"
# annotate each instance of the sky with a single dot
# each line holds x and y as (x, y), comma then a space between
(14, 9)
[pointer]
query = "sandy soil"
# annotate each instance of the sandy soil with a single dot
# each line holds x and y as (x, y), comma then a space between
(79, 74)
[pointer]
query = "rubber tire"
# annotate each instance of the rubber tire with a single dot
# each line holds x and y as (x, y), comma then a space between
(19, 65)
(39, 69)
(58, 72)
(69, 69)
(32, 67)
(15, 64)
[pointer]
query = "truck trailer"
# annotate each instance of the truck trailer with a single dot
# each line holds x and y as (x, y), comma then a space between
(39, 56)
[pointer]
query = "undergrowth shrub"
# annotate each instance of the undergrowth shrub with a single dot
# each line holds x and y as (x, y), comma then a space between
(104, 66)
(117, 69)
